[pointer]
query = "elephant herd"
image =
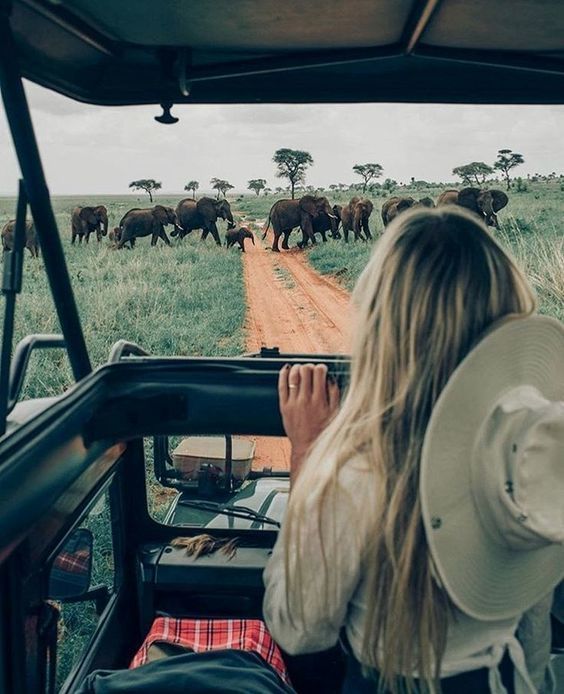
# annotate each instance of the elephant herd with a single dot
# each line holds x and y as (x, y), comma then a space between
(137, 222)
(314, 214)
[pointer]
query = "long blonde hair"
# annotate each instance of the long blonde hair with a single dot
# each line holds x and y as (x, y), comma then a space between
(435, 282)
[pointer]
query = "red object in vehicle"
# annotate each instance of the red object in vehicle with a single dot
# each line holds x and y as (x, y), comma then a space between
(201, 635)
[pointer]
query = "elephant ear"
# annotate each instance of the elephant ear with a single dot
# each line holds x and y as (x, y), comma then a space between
(499, 200)
(308, 204)
(468, 197)
(369, 206)
(160, 213)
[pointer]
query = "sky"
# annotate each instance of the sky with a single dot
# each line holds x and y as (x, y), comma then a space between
(100, 150)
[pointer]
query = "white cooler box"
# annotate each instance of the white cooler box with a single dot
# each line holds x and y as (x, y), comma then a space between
(195, 451)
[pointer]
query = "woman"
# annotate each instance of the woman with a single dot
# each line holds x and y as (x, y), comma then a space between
(353, 552)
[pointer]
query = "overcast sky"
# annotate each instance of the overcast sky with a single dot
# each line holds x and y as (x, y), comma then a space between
(89, 149)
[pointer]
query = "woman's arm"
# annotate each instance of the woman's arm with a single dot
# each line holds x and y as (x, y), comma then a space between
(309, 581)
(311, 577)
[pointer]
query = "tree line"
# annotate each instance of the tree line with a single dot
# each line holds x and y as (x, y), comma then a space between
(292, 165)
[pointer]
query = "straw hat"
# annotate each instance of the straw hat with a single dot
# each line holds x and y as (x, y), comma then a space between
(492, 472)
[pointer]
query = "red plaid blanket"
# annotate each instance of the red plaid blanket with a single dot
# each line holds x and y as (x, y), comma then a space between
(214, 634)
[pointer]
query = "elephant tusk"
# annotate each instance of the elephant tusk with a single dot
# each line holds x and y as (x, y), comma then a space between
(332, 216)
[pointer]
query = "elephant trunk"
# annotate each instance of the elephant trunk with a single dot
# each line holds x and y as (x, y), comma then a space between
(489, 214)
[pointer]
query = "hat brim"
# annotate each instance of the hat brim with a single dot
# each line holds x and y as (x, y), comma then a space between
(484, 579)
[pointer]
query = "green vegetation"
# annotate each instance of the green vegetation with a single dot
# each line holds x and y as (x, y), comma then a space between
(149, 185)
(187, 299)
(193, 186)
(292, 164)
(473, 174)
(222, 187)
(368, 172)
(257, 184)
(507, 160)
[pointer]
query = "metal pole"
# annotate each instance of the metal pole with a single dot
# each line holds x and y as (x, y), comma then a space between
(23, 136)
(11, 287)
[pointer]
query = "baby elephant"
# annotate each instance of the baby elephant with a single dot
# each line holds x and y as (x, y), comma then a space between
(233, 236)
(31, 240)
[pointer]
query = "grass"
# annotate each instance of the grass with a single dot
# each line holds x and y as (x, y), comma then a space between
(183, 300)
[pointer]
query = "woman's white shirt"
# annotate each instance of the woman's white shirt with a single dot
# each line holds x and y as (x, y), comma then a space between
(347, 516)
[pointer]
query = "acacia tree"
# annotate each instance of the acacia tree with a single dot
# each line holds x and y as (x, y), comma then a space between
(146, 184)
(257, 184)
(368, 172)
(193, 186)
(221, 186)
(507, 160)
(291, 164)
(476, 171)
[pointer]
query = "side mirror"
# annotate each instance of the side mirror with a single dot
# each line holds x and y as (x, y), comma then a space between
(71, 569)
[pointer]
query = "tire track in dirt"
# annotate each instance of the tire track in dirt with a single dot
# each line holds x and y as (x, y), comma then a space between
(292, 307)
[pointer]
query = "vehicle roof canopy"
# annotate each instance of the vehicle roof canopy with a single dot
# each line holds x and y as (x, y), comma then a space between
(243, 51)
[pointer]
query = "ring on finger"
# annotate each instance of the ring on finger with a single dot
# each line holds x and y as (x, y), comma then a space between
(292, 385)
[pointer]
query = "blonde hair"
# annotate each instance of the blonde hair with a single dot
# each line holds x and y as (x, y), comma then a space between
(436, 281)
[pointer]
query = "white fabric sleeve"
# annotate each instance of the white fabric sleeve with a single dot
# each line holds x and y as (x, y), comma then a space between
(331, 548)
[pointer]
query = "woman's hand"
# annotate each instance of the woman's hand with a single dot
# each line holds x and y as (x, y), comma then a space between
(308, 401)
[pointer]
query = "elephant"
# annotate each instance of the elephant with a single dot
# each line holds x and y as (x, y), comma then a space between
(142, 222)
(234, 236)
(426, 202)
(393, 206)
(202, 214)
(448, 197)
(355, 216)
(31, 240)
(337, 209)
(322, 224)
(85, 220)
(286, 215)
(115, 235)
(485, 203)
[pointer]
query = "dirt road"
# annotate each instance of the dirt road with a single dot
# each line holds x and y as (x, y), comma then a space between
(292, 307)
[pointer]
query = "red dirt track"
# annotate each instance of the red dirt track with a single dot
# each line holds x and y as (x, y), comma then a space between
(292, 307)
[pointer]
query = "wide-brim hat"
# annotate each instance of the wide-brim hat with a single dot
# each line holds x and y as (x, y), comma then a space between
(492, 471)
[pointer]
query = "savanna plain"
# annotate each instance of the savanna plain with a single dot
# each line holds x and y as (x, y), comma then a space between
(189, 299)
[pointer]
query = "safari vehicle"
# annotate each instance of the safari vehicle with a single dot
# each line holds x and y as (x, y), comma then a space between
(73, 465)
